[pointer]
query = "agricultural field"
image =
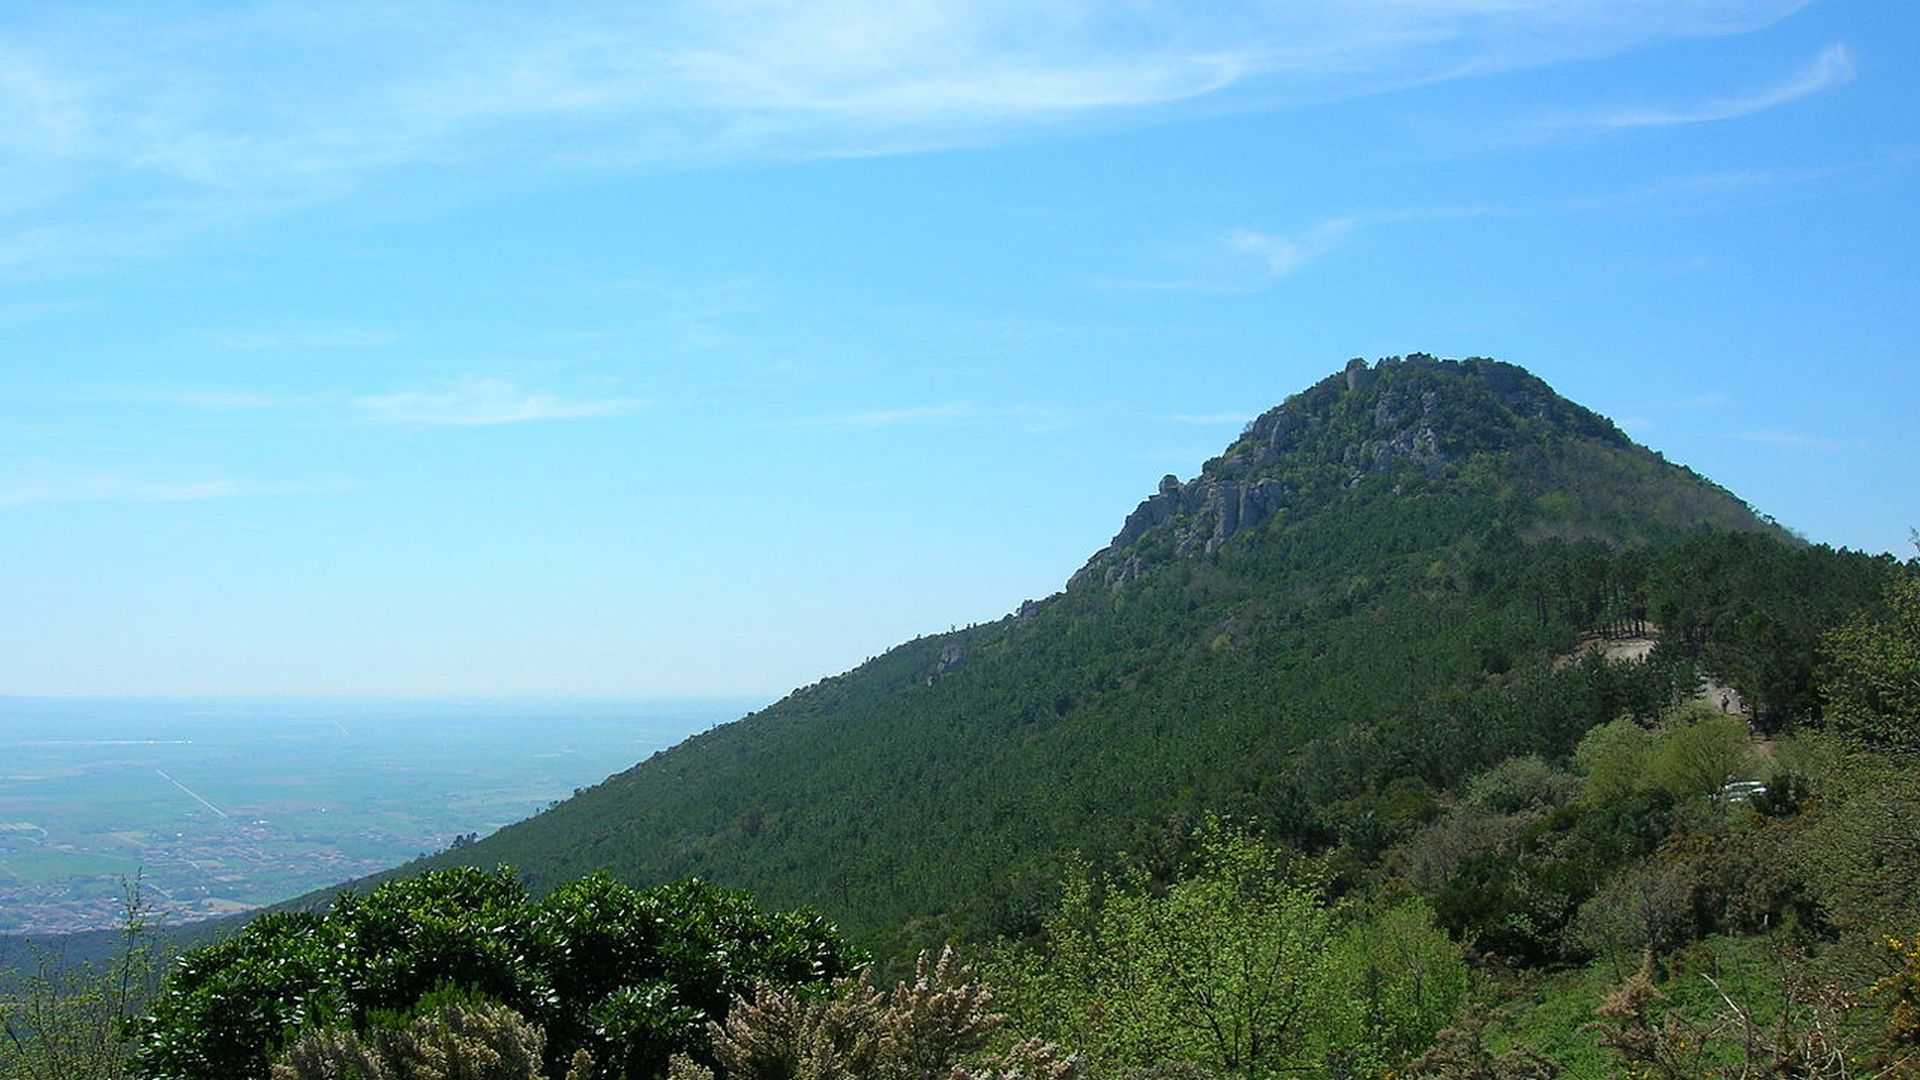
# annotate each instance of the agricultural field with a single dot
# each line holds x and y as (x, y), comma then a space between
(219, 806)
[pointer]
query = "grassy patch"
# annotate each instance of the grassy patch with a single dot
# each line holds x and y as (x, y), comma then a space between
(43, 867)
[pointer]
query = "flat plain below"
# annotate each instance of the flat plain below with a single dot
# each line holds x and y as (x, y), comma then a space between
(217, 806)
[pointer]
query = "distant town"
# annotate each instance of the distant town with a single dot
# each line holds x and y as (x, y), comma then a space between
(206, 809)
(187, 877)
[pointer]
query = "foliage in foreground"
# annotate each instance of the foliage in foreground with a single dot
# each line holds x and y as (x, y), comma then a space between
(630, 976)
(454, 1038)
(1240, 969)
(933, 1028)
(71, 1023)
(1872, 684)
(1608, 842)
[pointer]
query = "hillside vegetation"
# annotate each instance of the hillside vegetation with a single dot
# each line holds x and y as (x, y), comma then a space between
(1321, 768)
(1437, 535)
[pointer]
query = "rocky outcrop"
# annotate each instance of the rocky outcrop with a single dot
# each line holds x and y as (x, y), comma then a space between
(1414, 413)
(951, 656)
(1203, 513)
(1358, 374)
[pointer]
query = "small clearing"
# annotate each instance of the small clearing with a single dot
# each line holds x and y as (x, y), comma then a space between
(1635, 648)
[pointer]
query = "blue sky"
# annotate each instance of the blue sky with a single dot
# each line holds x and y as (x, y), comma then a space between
(711, 347)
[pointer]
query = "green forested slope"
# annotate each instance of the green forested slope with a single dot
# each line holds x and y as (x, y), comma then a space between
(1323, 767)
(1354, 607)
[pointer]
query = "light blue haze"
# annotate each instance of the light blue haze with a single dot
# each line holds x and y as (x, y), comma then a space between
(711, 347)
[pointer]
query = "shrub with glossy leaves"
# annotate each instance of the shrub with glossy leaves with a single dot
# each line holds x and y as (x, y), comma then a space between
(223, 1006)
(631, 976)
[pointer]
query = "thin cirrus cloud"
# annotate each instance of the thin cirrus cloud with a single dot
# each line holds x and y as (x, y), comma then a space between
(1278, 256)
(882, 418)
(85, 487)
(1029, 418)
(484, 402)
(1706, 399)
(344, 337)
(1219, 419)
(1788, 440)
(1832, 67)
(1248, 260)
(221, 400)
(124, 127)
(1242, 260)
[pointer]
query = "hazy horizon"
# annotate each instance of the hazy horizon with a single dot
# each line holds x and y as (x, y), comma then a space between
(216, 806)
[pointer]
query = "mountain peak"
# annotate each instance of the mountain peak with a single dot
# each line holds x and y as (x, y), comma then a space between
(1409, 423)
(1416, 408)
(1294, 627)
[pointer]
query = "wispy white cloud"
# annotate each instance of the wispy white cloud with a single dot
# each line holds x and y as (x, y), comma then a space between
(1637, 419)
(1175, 459)
(1247, 260)
(1706, 399)
(1691, 192)
(318, 338)
(914, 414)
(1279, 256)
(27, 312)
(1792, 440)
(1832, 67)
(1250, 260)
(64, 486)
(220, 400)
(473, 401)
(1239, 260)
(1211, 419)
(1039, 418)
(1032, 418)
(1244, 260)
(126, 126)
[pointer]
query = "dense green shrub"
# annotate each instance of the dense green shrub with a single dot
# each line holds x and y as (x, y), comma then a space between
(1520, 783)
(1240, 968)
(1699, 753)
(1871, 688)
(631, 976)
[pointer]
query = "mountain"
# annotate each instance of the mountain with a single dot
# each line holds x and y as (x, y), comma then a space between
(1361, 602)
(1430, 669)
(1415, 422)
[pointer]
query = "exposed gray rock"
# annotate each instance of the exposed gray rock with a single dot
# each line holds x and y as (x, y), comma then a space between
(1390, 416)
(951, 656)
(1230, 496)
(1204, 512)
(1359, 375)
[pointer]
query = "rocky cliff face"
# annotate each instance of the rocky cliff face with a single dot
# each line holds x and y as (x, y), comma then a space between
(1203, 514)
(1402, 413)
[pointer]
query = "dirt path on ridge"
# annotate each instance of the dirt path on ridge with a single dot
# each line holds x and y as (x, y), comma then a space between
(1716, 695)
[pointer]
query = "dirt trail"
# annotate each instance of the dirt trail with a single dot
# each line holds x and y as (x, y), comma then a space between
(1635, 648)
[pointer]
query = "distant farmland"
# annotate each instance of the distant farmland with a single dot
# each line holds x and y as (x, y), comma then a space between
(217, 806)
